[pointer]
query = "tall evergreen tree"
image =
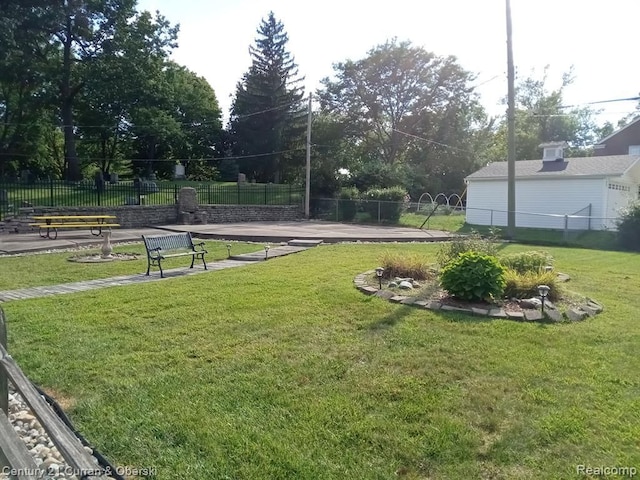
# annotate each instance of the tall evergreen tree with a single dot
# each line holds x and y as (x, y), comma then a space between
(267, 115)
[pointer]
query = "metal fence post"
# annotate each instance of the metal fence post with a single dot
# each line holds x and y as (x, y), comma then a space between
(378, 211)
(265, 193)
(566, 228)
(491, 221)
(51, 192)
(4, 385)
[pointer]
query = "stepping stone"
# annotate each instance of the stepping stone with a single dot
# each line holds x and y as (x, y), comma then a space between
(385, 294)
(497, 313)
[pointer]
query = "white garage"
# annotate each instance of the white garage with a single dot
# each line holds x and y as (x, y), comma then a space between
(575, 193)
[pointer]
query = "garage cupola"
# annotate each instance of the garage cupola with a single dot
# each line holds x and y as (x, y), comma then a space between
(553, 151)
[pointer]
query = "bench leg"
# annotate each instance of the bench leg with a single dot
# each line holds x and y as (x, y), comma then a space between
(148, 265)
(160, 267)
(193, 258)
(203, 262)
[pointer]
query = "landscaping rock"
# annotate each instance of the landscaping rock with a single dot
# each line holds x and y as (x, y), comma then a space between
(497, 313)
(433, 305)
(553, 315)
(451, 308)
(533, 315)
(530, 302)
(406, 285)
(392, 285)
(592, 312)
(513, 315)
(409, 301)
(595, 305)
(385, 294)
(368, 290)
(548, 305)
(397, 298)
(563, 277)
(576, 314)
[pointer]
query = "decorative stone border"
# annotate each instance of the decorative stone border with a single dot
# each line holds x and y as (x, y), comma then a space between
(590, 307)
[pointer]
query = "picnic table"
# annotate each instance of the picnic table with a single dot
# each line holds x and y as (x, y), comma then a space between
(48, 225)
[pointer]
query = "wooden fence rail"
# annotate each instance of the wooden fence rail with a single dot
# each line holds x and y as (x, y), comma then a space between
(14, 453)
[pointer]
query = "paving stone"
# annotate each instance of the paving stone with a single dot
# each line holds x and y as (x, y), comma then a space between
(483, 312)
(533, 315)
(497, 313)
(421, 303)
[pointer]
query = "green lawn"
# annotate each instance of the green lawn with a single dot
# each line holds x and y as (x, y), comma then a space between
(282, 369)
(603, 240)
(54, 268)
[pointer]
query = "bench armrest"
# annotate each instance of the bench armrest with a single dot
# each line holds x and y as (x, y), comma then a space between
(199, 244)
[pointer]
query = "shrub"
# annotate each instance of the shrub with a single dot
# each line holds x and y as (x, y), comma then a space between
(473, 276)
(474, 242)
(525, 285)
(629, 228)
(406, 265)
(390, 201)
(532, 261)
(348, 203)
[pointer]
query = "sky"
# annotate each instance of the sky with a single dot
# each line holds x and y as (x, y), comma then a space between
(597, 39)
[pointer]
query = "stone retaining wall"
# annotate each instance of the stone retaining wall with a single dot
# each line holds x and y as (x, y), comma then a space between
(137, 216)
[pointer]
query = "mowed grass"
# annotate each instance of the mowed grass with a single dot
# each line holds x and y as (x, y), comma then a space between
(283, 369)
(597, 239)
(21, 271)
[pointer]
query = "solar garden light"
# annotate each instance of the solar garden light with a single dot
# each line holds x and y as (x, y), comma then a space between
(228, 250)
(543, 290)
(266, 251)
(379, 272)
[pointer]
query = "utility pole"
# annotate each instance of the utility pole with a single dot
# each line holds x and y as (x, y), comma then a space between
(511, 134)
(307, 191)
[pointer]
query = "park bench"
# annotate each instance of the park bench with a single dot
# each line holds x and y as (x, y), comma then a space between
(48, 225)
(172, 245)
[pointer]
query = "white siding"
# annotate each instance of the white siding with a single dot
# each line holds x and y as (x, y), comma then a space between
(487, 202)
(619, 196)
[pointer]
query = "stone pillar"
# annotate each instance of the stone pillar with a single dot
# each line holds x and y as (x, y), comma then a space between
(187, 200)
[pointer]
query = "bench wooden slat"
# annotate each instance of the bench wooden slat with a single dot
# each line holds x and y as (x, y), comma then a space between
(65, 440)
(172, 245)
(73, 225)
(14, 452)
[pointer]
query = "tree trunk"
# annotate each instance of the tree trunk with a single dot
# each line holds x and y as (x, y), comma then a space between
(72, 172)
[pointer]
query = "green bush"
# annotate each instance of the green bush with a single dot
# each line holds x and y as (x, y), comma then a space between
(474, 242)
(406, 265)
(532, 261)
(629, 228)
(525, 285)
(390, 201)
(348, 203)
(473, 276)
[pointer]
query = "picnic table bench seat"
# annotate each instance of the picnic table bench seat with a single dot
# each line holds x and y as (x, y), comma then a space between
(172, 245)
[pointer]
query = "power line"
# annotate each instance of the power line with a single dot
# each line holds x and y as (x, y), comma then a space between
(433, 141)
(235, 157)
(630, 99)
